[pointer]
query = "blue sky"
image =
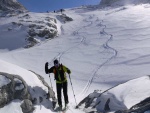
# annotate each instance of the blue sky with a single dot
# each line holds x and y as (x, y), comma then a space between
(50, 5)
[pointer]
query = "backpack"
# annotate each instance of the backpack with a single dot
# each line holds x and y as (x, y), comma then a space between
(59, 76)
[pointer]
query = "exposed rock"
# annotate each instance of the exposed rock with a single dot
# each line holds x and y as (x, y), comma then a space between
(141, 107)
(107, 108)
(27, 106)
(52, 25)
(31, 42)
(40, 99)
(50, 19)
(43, 33)
(34, 101)
(32, 32)
(11, 5)
(32, 25)
(47, 33)
(88, 101)
(64, 18)
(15, 89)
(15, 23)
(39, 22)
(27, 16)
(39, 27)
(3, 98)
(121, 111)
(35, 29)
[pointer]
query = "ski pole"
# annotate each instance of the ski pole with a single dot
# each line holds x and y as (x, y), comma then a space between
(50, 81)
(73, 91)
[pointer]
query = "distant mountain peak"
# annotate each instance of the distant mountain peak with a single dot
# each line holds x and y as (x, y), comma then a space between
(11, 5)
(122, 2)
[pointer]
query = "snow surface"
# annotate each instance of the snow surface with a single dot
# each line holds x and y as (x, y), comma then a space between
(102, 47)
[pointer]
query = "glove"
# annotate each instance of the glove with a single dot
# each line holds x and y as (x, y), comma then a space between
(46, 64)
(46, 67)
(68, 71)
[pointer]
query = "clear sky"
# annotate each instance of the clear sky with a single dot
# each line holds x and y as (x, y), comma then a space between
(50, 5)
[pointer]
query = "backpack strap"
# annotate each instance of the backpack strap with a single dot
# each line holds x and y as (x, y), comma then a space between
(62, 67)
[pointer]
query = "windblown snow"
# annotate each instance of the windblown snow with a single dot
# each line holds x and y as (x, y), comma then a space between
(105, 48)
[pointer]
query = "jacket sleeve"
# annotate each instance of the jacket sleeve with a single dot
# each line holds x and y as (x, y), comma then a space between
(48, 70)
(66, 69)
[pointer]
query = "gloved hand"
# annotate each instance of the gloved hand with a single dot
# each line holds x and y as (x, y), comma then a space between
(68, 71)
(46, 64)
(46, 67)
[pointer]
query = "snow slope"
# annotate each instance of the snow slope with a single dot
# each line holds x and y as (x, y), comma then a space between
(23, 29)
(103, 48)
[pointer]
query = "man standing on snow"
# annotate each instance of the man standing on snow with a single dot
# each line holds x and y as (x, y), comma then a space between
(59, 71)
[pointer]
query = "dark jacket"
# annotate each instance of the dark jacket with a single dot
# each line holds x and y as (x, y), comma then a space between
(59, 73)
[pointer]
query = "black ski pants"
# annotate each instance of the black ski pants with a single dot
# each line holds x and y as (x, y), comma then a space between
(59, 87)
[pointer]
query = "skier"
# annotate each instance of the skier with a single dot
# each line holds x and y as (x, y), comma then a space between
(59, 71)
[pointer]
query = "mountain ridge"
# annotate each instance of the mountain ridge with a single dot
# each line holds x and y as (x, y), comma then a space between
(6, 5)
(122, 2)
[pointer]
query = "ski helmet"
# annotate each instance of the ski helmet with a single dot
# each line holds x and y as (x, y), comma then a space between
(56, 61)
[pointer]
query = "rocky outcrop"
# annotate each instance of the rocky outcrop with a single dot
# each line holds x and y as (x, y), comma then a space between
(27, 106)
(41, 29)
(31, 30)
(64, 18)
(10, 5)
(12, 87)
(42, 33)
(47, 33)
(141, 107)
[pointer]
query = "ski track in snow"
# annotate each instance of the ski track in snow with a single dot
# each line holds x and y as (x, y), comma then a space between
(75, 33)
(106, 46)
(83, 40)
